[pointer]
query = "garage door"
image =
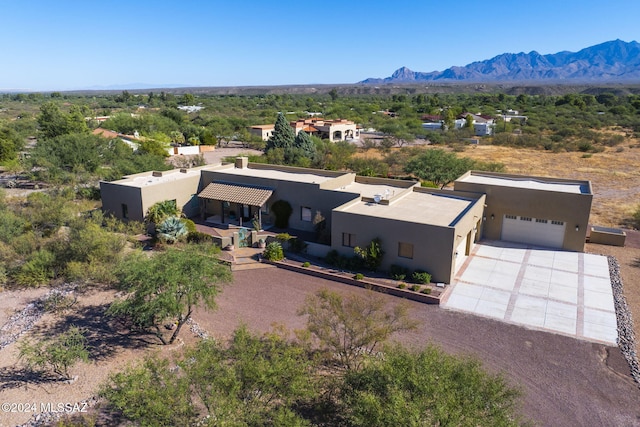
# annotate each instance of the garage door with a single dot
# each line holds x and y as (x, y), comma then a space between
(534, 231)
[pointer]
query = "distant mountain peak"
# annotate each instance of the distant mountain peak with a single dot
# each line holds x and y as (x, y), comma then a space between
(614, 60)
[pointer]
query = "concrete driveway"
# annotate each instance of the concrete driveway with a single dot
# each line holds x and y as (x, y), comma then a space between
(562, 292)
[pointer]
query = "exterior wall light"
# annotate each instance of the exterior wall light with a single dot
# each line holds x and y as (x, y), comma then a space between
(493, 216)
(577, 228)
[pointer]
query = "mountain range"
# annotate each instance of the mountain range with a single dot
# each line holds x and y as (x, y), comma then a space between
(612, 61)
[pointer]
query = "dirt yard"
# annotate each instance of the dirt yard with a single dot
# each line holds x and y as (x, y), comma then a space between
(565, 381)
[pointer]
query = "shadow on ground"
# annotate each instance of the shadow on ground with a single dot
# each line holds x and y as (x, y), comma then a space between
(105, 335)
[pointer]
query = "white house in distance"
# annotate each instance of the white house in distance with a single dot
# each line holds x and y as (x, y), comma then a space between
(333, 130)
(482, 125)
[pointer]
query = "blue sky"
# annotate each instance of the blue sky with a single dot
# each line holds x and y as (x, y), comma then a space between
(71, 44)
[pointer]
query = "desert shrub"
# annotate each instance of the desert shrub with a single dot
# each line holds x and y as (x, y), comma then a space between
(297, 245)
(398, 272)
(585, 146)
(402, 285)
(358, 276)
(58, 354)
(37, 271)
(198, 237)
(273, 252)
(283, 237)
(371, 255)
(636, 217)
(341, 261)
(57, 302)
(420, 276)
(331, 257)
(306, 264)
(191, 226)
(426, 291)
(415, 288)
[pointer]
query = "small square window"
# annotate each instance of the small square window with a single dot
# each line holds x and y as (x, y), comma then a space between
(405, 250)
(349, 240)
(305, 214)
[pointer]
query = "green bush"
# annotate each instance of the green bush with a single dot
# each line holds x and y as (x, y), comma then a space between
(198, 237)
(191, 226)
(415, 288)
(306, 264)
(426, 291)
(371, 255)
(420, 276)
(297, 245)
(402, 286)
(397, 272)
(38, 270)
(273, 252)
(342, 262)
(636, 217)
(359, 276)
(331, 257)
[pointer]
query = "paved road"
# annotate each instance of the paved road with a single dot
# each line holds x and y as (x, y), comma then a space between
(566, 382)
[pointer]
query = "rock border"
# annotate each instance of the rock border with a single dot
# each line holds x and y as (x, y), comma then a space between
(626, 335)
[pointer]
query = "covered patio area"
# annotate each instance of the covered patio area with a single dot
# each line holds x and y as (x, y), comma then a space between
(234, 205)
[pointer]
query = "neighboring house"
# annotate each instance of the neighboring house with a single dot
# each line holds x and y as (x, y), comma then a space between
(333, 130)
(262, 131)
(482, 125)
(420, 228)
(130, 140)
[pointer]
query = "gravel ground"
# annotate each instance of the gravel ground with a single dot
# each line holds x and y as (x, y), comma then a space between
(565, 381)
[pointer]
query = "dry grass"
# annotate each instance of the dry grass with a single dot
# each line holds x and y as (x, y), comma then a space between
(614, 174)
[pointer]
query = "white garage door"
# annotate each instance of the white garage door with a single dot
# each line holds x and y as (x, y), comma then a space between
(534, 231)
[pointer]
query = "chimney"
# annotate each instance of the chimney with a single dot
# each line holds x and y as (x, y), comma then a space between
(242, 162)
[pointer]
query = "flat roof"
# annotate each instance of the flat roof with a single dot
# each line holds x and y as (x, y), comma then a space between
(526, 182)
(165, 176)
(281, 175)
(371, 190)
(418, 207)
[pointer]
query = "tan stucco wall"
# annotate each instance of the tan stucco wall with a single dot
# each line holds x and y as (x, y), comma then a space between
(298, 194)
(140, 199)
(114, 195)
(433, 246)
(571, 208)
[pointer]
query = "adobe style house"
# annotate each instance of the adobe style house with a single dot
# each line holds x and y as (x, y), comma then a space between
(420, 228)
(333, 130)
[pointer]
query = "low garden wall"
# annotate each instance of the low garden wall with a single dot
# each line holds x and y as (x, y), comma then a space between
(364, 283)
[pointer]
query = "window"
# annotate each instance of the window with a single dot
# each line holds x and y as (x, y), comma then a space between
(349, 240)
(557, 222)
(541, 221)
(525, 218)
(405, 250)
(510, 216)
(305, 214)
(125, 211)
